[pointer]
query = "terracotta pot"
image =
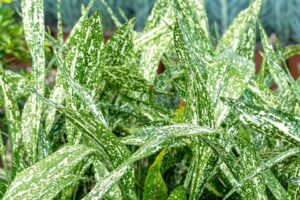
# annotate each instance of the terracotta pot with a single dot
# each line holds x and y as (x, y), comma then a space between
(294, 66)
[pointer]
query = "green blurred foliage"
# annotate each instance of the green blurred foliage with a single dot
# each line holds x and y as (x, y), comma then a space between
(12, 42)
(281, 17)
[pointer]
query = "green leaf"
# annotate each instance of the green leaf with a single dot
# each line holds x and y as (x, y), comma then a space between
(198, 103)
(119, 48)
(100, 172)
(192, 21)
(194, 53)
(161, 13)
(250, 160)
(291, 50)
(273, 63)
(178, 194)
(58, 93)
(82, 92)
(141, 137)
(156, 38)
(126, 78)
(13, 121)
(112, 150)
(168, 136)
(12, 113)
(154, 186)
(3, 188)
(260, 96)
(34, 29)
(234, 170)
(264, 166)
(47, 178)
(18, 84)
(241, 34)
(86, 43)
(274, 123)
(225, 71)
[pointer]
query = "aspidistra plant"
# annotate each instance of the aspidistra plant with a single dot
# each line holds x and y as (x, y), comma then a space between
(102, 133)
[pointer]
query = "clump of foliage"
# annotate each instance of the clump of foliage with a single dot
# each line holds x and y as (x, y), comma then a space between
(12, 42)
(109, 129)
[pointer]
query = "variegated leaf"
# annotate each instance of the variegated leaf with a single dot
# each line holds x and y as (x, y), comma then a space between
(58, 93)
(240, 36)
(34, 28)
(168, 136)
(229, 75)
(275, 123)
(119, 48)
(193, 50)
(13, 121)
(273, 64)
(112, 150)
(156, 38)
(47, 178)
(291, 50)
(178, 194)
(264, 166)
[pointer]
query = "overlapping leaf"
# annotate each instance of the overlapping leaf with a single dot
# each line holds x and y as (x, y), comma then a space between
(112, 150)
(240, 36)
(34, 28)
(156, 38)
(48, 177)
(274, 123)
(168, 136)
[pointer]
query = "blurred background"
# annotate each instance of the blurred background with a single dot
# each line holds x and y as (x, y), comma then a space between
(281, 18)
(278, 16)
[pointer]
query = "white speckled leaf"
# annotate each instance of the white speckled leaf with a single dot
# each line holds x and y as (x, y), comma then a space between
(12, 113)
(58, 93)
(273, 64)
(168, 135)
(198, 103)
(112, 150)
(240, 36)
(194, 52)
(34, 28)
(83, 93)
(178, 194)
(119, 48)
(273, 123)
(156, 38)
(47, 178)
(263, 167)
(291, 50)
(100, 172)
(229, 75)
(13, 119)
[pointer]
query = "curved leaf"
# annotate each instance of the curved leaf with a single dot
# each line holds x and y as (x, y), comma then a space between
(264, 166)
(274, 123)
(154, 186)
(169, 135)
(178, 194)
(47, 178)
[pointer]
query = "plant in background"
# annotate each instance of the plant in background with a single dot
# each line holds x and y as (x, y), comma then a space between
(280, 17)
(103, 132)
(71, 11)
(12, 43)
